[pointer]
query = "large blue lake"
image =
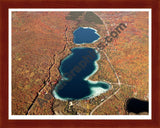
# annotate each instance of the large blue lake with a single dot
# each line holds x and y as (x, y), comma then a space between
(76, 69)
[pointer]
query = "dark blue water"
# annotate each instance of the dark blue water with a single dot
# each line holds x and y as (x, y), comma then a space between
(136, 105)
(75, 71)
(85, 35)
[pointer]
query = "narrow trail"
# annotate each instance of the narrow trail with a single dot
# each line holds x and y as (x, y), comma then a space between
(32, 104)
(104, 24)
(104, 102)
(118, 80)
(66, 34)
(107, 30)
(66, 28)
(119, 83)
(114, 94)
(46, 82)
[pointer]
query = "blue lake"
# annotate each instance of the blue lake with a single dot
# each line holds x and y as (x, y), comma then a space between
(85, 35)
(75, 70)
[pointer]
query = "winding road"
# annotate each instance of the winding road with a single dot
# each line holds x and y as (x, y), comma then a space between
(118, 80)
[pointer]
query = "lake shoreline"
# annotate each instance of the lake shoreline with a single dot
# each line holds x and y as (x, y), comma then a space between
(94, 91)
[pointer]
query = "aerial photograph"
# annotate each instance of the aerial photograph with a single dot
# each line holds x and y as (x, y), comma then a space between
(82, 62)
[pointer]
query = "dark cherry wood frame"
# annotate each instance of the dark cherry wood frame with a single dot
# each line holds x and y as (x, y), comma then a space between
(6, 4)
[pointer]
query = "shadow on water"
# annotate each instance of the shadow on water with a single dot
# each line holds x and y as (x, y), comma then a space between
(136, 106)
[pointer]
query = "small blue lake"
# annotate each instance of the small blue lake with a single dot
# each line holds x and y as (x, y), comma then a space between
(75, 70)
(85, 35)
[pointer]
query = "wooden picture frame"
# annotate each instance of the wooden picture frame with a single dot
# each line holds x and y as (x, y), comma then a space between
(4, 120)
